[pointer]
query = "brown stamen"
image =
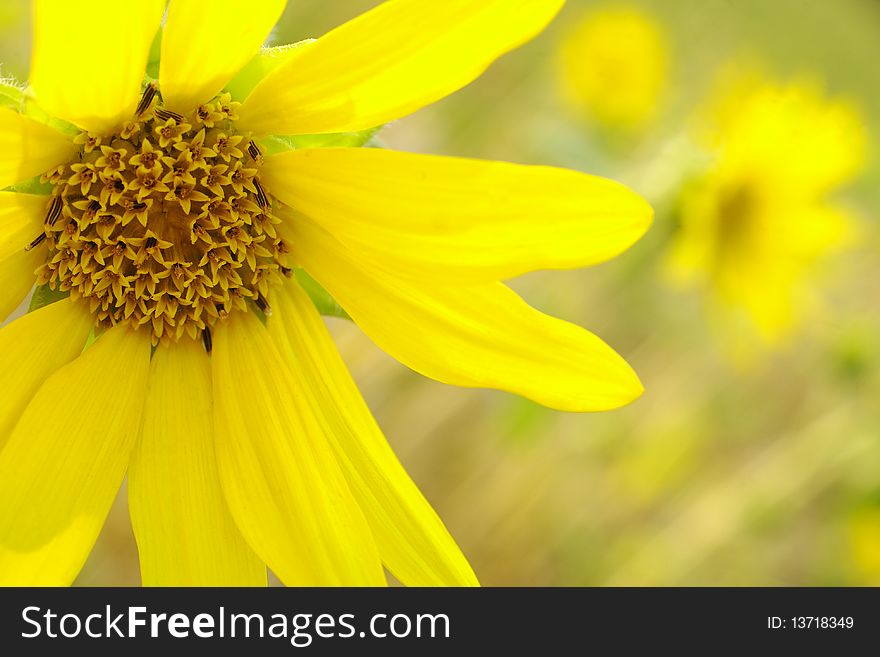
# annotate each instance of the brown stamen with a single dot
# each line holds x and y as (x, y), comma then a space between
(146, 99)
(54, 211)
(207, 340)
(263, 305)
(262, 199)
(165, 114)
(37, 241)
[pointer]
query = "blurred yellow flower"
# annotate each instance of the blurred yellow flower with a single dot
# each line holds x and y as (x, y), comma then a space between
(172, 223)
(864, 538)
(613, 66)
(756, 223)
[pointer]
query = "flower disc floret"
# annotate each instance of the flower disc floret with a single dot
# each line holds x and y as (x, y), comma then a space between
(165, 223)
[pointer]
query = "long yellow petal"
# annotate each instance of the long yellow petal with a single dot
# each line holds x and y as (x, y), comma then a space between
(389, 62)
(450, 218)
(184, 531)
(279, 475)
(204, 45)
(29, 148)
(413, 543)
(21, 220)
(66, 458)
(479, 335)
(33, 347)
(90, 56)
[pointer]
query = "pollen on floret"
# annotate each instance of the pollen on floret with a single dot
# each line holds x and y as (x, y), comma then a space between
(164, 224)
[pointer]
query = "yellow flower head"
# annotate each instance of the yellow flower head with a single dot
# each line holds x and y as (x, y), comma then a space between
(180, 217)
(613, 66)
(755, 224)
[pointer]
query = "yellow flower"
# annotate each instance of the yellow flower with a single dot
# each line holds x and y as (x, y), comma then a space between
(613, 66)
(864, 540)
(246, 442)
(757, 222)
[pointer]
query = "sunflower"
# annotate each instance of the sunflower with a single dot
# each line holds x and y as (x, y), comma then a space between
(759, 221)
(179, 218)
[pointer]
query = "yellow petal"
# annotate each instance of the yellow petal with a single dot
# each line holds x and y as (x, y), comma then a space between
(29, 148)
(389, 62)
(184, 531)
(412, 540)
(452, 218)
(478, 335)
(279, 475)
(21, 220)
(89, 58)
(33, 347)
(204, 45)
(66, 458)
(16, 279)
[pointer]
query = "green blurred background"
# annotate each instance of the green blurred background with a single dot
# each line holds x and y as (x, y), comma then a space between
(721, 474)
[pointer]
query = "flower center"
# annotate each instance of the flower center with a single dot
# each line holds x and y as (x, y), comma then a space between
(737, 208)
(165, 223)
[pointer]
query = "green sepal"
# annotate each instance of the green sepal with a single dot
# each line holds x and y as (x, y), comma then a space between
(11, 94)
(14, 95)
(155, 54)
(336, 139)
(325, 303)
(33, 111)
(45, 295)
(263, 63)
(280, 143)
(31, 186)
